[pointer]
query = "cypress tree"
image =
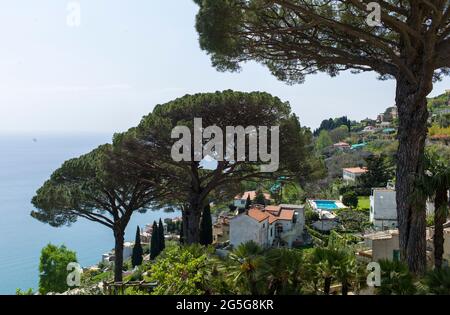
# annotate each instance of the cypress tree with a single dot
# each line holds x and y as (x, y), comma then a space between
(206, 234)
(260, 199)
(154, 245)
(136, 257)
(161, 240)
(248, 203)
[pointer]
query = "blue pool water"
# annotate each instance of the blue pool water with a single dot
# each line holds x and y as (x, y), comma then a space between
(326, 204)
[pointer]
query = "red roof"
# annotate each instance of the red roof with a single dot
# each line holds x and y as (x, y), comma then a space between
(252, 195)
(273, 215)
(341, 144)
(440, 137)
(273, 209)
(356, 170)
(257, 214)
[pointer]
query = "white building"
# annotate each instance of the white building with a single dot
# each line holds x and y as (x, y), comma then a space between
(381, 245)
(268, 226)
(383, 209)
(352, 173)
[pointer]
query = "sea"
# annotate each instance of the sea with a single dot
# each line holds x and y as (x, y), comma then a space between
(26, 162)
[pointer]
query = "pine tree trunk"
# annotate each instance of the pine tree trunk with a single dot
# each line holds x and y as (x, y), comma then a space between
(191, 221)
(412, 132)
(440, 217)
(119, 236)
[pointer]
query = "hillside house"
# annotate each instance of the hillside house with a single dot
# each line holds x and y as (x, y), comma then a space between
(278, 225)
(352, 173)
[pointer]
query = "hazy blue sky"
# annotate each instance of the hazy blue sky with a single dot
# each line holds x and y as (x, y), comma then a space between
(127, 56)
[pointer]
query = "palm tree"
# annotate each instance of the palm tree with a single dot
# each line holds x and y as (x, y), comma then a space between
(325, 261)
(436, 183)
(286, 269)
(346, 271)
(247, 267)
(438, 281)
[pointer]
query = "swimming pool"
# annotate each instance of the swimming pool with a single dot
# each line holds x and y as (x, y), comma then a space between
(326, 204)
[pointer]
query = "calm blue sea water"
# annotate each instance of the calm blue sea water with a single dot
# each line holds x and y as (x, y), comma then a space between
(26, 161)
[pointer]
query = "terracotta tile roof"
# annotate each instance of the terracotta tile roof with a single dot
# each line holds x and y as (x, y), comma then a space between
(273, 209)
(440, 137)
(286, 214)
(257, 214)
(356, 170)
(261, 215)
(252, 195)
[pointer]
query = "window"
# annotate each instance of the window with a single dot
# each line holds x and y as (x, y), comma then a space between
(271, 231)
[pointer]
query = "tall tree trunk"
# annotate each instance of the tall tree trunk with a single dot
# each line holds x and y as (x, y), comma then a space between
(345, 288)
(191, 220)
(412, 132)
(327, 285)
(440, 217)
(119, 236)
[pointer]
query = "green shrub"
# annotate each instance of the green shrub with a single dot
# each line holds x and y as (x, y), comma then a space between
(350, 199)
(396, 279)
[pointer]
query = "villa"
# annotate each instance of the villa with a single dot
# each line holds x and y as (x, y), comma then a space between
(326, 211)
(241, 200)
(351, 174)
(277, 225)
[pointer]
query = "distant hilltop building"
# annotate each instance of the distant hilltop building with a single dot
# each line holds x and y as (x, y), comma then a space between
(352, 173)
(389, 115)
(341, 145)
(369, 129)
(445, 139)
